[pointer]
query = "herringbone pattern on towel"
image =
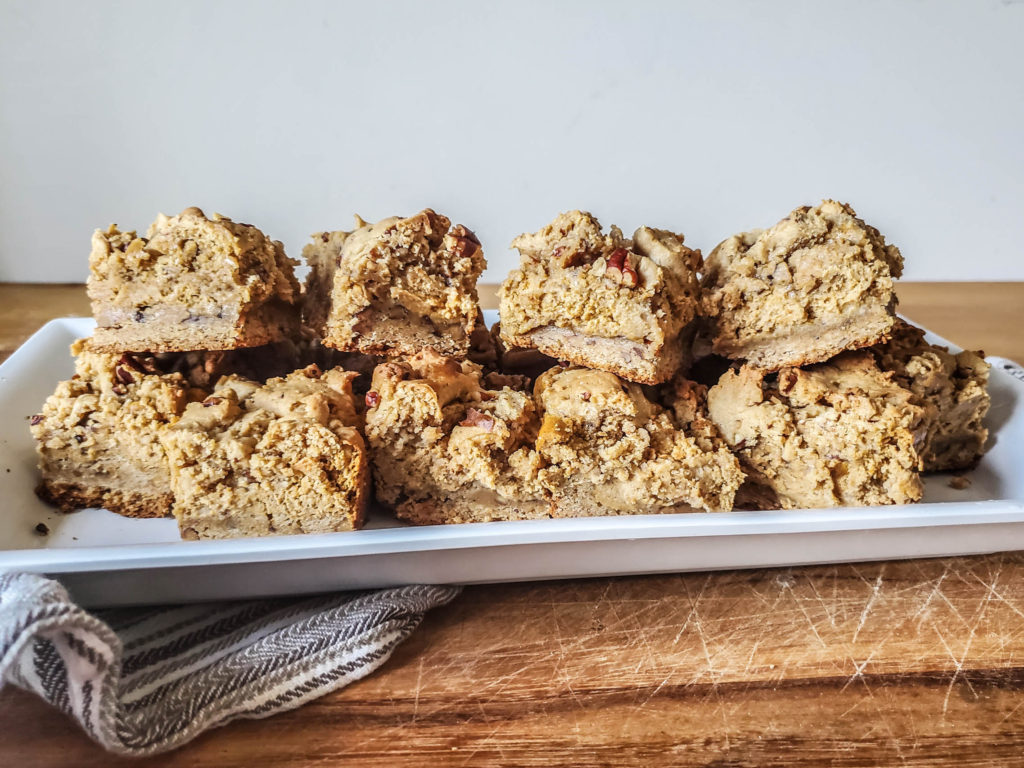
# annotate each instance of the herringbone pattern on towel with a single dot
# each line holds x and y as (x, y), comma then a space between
(146, 680)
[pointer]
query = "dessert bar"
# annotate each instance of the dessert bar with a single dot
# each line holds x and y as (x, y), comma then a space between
(192, 283)
(951, 388)
(601, 300)
(98, 434)
(448, 446)
(835, 434)
(395, 287)
(817, 283)
(284, 457)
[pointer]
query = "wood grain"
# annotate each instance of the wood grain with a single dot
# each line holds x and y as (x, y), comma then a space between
(918, 663)
(898, 663)
(24, 308)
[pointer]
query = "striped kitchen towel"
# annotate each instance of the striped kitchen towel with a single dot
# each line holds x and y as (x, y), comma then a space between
(147, 680)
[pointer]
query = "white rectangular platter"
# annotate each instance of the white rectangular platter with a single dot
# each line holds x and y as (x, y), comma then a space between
(105, 559)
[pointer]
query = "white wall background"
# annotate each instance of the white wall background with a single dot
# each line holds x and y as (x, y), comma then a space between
(706, 117)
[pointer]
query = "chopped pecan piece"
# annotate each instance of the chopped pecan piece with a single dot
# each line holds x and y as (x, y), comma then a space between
(620, 270)
(617, 258)
(475, 418)
(461, 231)
(787, 380)
(959, 482)
(574, 255)
(466, 243)
(123, 375)
(129, 361)
(630, 277)
(142, 364)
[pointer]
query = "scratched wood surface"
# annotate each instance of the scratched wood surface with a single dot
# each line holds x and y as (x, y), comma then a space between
(896, 663)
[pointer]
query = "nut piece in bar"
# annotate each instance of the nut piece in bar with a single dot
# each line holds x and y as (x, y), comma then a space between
(98, 434)
(191, 283)
(395, 287)
(601, 300)
(951, 388)
(840, 433)
(817, 283)
(284, 457)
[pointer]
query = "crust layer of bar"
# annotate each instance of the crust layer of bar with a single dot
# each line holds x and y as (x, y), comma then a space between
(78, 493)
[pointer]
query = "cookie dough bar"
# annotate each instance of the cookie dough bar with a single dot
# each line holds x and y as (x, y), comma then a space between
(284, 457)
(395, 287)
(835, 434)
(192, 283)
(951, 388)
(451, 447)
(817, 283)
(447, 449)
(98, 434)
(601, 300)
(606, 449)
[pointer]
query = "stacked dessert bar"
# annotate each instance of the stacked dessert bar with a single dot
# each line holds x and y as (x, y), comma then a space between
(628, 375)
(837, 401)
(573, 432)
(175, 405)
